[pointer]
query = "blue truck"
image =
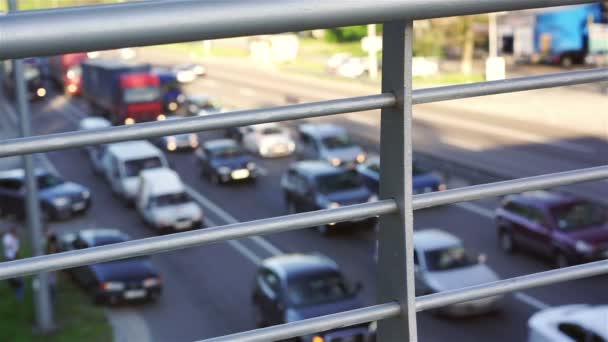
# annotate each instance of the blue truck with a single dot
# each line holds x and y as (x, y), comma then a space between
(561, 36)
(171, 91)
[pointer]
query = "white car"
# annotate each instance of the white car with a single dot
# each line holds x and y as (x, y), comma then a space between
(268, 140)
(94, 152)
(442, 264)
(570, 323)
(352, 68)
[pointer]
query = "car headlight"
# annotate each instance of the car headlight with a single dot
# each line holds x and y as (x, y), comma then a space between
(86, 194)
(333, 205)
(223, 170)
(361, 157)
(335, 161)
(112, 286)
(583, 247)
(193, 139)
(60, 201)
(41, 92)
(251, 165)
(373, 198)
(151, 282)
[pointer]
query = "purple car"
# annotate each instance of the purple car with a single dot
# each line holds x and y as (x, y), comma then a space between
(567, 229)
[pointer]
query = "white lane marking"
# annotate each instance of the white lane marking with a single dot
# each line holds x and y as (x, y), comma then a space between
(533, 302)
(209, 83)
(237, 245)
(247, 92)
(270, 248)
(477, 209)
(465, 144)
(501, 131)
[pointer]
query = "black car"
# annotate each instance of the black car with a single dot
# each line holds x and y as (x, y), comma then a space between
(59, 199)
(114, 281)
(289, 288)
(224, 160)
(200, 105)
(314, 185)
(35, 84)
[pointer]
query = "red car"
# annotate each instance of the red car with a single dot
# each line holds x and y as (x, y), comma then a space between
(567, 229)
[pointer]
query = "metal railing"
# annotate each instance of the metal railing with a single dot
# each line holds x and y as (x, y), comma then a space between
(48, 32)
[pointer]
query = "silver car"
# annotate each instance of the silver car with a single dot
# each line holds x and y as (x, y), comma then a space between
(442, 264)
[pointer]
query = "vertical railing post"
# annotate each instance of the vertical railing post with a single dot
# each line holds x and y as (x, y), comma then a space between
(42, 299)
(395, 244)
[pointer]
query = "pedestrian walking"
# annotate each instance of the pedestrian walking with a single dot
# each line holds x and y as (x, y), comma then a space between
(11, 248)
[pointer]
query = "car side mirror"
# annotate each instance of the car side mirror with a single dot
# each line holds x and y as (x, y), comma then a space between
(482, 258)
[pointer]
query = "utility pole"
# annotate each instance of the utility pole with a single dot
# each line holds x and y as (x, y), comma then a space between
(42, 302)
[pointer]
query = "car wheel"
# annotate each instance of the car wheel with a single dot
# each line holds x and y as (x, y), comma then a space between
(291, 208)
(561, 260)
(506, 242)
(567, 62)
(258, 318)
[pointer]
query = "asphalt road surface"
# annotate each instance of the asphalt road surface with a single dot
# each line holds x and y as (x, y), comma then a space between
(207, 289)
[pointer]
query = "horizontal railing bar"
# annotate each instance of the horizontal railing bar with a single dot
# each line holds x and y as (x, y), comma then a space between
(475, 192)
(58, 141)
(314, 325)
(509, 85)
(51, 32)
(199, 237)
(441, 299)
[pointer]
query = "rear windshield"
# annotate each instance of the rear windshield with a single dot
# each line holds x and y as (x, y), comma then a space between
(416, 170)
(134, 167)
(170, 199)
(341, 181)
(337, 141)
(447, 259)
(228, 151)
(49, 181)
(578, 215)
(318, 289)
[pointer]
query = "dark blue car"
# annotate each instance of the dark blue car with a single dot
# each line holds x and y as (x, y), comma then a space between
(289, 288)
(171, 90)
(114, 281)
(224, 160)
(424, 180)
(59, 199)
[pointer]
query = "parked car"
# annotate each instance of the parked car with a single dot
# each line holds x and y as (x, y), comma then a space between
(424, 180)
(59, 199)
(178, 142)
(114, 281)
(289, 288)
(569, 323)
(314, 185)
(328, 142)
(122, 163)
(268, 140)
(200, 105)
(163, 203)
(565, 228)
(223, 160)
(94, 152)
(442, 264)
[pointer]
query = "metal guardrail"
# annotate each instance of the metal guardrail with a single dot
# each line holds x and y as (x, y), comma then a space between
(112, 26)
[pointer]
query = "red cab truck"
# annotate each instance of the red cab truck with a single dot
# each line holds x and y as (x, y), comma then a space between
(65, 71)
(124, 92)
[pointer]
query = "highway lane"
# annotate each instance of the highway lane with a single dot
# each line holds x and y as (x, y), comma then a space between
(352, 251)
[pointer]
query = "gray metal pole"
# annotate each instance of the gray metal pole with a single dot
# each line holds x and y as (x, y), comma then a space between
(42, 302)
(395, 247)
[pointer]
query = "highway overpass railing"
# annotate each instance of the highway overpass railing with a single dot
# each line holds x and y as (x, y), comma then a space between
(49, 32)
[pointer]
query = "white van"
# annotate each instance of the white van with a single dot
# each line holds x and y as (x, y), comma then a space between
(122, 163)
(163, 203)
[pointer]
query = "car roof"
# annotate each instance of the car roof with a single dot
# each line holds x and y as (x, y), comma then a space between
(133, 149)
(315, 167)
(543, 197)
(292, 265)
(431, 239)
(94, 123)
(20, 173)
(321, 130)
(91, 236)
(219, 143)
(163, 181)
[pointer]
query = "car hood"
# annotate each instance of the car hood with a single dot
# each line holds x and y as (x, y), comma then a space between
(300, 313)
(65, 189)
(461, 277)
(345, 154)
(233, 163)
(352, 196)
(594, 235)
(133, 269)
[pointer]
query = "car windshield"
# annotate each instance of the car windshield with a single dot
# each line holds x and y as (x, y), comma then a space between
(134, 167)
(228, 151)
(418, 171)
(447, 259)
(341, 181)
(170, 199)
(141, 94)
(337, 141)
(578, 215)
(318, 289)
(49, 181)
(271, 131)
